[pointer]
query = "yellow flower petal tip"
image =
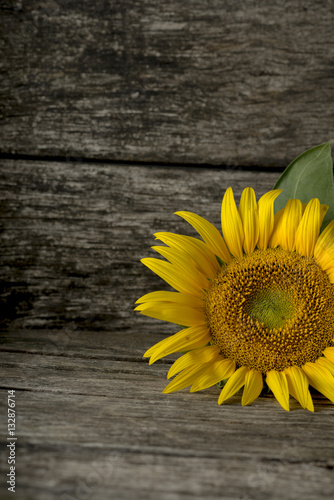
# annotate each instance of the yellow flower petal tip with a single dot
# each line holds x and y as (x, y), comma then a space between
(255, 302)
(234, 384)
(253, 387)
(232, 226)
(279, 386)
(298, 387)
(266, 217)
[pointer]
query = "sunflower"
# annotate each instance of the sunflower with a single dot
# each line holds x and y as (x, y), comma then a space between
(255, 303)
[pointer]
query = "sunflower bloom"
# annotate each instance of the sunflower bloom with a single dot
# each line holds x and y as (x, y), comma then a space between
(256, 303)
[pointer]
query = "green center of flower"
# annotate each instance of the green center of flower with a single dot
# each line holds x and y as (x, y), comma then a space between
(270, 310)
(273, 308)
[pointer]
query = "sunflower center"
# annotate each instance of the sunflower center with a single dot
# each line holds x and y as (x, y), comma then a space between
(270, 310)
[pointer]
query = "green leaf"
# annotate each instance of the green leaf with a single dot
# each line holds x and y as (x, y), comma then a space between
(309, 176)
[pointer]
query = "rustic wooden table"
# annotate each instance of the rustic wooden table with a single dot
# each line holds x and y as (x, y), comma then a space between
(91, 420)
(113, 116)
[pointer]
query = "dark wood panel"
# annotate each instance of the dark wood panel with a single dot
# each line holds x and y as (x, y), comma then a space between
(214, 81)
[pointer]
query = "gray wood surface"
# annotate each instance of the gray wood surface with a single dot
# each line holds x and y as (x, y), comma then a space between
(201, 81)
(92, 423)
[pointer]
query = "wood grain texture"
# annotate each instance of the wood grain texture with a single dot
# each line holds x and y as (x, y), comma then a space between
(213, 81)
(92, 423)
(89, 424)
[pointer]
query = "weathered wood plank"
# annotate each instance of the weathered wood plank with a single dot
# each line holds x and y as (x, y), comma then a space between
(218, 82)
(90, 424)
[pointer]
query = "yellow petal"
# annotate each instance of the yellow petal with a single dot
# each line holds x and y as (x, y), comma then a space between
(321, 379)
(253, 387)
(326, 364)
(184, 263)
(184, 299)
(274, 240)
(185, 378)
(309, 405)
(217, 371)
(197, 250)
(249, 218)
(324, 247)
(209, 233)
(266, 217)
(325, 240)
(331, 276)
(279, 386)
(290, 221)
(186, 339)
(308, 230)
(298, 386)
(174, 313)
(231, 224)
(197, 356)
(174, 276)
(234, 383)
(329, 353)
(326, 260)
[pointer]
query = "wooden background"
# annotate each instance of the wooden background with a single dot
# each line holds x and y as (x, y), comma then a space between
(115, 115)
(226, 82)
